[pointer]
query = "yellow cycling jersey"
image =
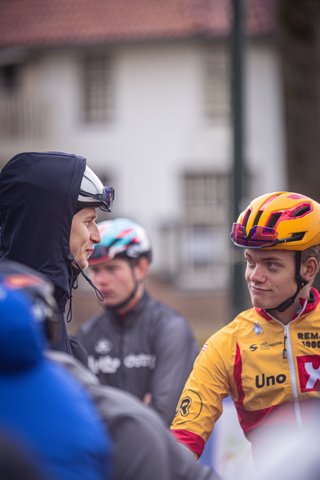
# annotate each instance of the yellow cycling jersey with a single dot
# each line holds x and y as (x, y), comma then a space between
(268, 368)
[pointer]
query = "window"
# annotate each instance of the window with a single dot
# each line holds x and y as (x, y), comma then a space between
(9, 78)
(217, 82)
(97, 87)
(196, 249)
(206, 199)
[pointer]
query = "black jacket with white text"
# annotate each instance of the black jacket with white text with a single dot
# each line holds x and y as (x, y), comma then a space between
(150, 350)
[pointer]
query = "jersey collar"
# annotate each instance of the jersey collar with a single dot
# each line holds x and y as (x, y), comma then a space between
(306, 306)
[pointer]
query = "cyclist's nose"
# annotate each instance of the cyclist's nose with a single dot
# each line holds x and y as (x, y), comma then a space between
(95, 234)
(257, 275)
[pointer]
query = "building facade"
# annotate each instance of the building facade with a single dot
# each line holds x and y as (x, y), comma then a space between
(144, 93)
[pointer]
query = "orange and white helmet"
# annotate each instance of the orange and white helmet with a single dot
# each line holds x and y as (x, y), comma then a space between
(281, 220)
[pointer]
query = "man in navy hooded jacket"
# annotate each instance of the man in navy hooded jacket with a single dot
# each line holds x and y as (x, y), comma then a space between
(47, 200)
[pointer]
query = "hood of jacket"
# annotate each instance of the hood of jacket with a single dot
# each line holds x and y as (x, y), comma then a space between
(38, 197)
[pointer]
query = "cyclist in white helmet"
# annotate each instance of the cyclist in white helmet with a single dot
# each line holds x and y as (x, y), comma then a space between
(47, 220)
(137, 343)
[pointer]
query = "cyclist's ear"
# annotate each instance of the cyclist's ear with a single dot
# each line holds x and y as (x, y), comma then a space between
(142, 268)
(309, 269)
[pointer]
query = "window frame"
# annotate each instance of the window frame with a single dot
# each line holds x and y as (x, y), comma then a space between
(97, 87)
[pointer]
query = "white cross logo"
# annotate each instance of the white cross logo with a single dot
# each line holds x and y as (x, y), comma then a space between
(314, 375)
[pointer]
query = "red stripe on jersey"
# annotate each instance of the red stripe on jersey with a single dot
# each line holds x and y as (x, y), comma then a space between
(190, 440)
(248, 420)
(237, 374)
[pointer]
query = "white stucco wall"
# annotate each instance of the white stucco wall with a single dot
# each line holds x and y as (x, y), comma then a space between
(265, 142)
(159, 128)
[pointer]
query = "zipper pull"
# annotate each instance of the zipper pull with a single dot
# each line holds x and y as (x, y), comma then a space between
(285, 354)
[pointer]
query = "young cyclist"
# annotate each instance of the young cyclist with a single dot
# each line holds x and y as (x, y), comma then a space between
(137, 343)
(268, 358)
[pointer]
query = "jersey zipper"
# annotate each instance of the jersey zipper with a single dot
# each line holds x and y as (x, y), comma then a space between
(288, 354)
(285, 353)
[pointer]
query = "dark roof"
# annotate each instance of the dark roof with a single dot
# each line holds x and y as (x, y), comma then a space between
(37, 23)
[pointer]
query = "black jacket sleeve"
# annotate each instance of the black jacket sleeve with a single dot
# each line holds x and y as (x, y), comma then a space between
(78, 351)
(176, 350)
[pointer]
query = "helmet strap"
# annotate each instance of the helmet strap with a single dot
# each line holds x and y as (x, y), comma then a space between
(300, 284)
(125, 302)
(87, 278)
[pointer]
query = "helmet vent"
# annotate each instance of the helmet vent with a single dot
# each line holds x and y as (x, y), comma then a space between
(301, 211)
(273, 220)
(246, 218)
(256, 220)
(298, 236)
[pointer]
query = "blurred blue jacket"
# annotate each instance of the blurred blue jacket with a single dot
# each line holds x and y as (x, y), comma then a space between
(42, 405)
